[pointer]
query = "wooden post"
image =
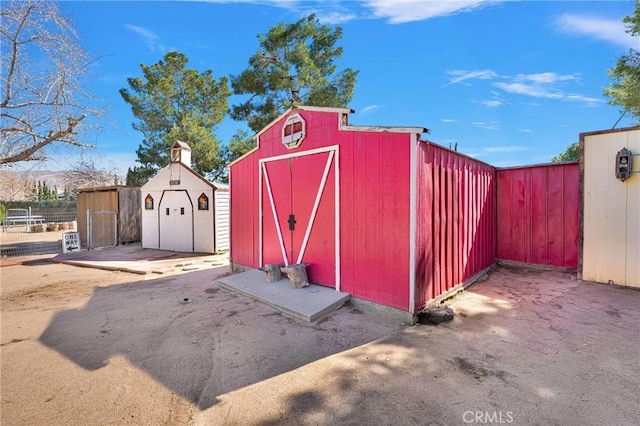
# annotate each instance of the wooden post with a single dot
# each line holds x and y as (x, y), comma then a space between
(297, 275)
(273, 272)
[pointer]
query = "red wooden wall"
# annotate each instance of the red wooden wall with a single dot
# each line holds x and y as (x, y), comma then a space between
(374, 176)
(374, 204)
(538, 214)
(456, 219)
(244, 211)
(466, 214)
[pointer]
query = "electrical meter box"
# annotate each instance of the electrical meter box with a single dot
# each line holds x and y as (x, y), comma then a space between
(624, 158)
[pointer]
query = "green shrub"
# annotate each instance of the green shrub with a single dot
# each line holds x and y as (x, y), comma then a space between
(2, 212)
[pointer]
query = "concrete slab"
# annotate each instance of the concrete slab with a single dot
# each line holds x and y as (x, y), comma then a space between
(308, 304)
(134, 259)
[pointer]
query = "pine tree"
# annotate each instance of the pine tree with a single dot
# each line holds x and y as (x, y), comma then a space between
(173, 103)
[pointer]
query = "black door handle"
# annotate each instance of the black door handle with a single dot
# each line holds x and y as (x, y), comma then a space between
(292, 222)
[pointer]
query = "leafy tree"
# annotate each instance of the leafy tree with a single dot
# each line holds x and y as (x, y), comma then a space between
(67, 195)
(174, 103)
(625, 88)
(570, 154)
(241, 143)
(294, 65)
(42, 99)
(42, 192)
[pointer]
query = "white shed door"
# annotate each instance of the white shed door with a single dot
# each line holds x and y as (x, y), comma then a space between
(176, 221)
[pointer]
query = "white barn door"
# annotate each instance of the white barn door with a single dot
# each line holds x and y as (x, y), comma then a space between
(176, 221)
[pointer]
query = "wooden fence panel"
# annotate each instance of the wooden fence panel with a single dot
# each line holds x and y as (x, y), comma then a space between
(538, 214)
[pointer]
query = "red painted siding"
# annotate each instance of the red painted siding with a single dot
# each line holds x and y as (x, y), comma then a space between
(455, 226)
(466, 211)
(538, 214)
(244, 211)
(374, 175)
(374, 206)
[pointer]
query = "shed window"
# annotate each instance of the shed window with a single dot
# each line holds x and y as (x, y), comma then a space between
(203, 202)
(148, 202)
(182, 210)
(167, 211)
(175, 155)
(293, 131)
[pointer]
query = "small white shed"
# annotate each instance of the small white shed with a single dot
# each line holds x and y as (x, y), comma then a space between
(182, 211)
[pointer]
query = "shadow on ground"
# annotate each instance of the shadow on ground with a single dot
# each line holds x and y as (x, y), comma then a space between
(198, 339)
(526, 347)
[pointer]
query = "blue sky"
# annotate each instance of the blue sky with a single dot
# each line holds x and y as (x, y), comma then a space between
(511, 82)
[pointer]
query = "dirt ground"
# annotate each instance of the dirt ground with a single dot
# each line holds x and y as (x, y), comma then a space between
(83, 346)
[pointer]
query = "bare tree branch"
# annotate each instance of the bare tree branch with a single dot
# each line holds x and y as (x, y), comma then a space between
(44, 103)
(86, 173)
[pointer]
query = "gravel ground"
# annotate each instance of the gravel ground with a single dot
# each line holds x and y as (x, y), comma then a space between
(86, 346)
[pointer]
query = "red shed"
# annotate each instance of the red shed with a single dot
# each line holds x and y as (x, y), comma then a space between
(376, 212)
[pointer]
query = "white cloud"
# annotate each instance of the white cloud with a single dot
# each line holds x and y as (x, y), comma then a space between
(448, 120)
(333, 15)
(493, 103)
(402, 11)
(369, 108)
(487, 126)
(149, 37)
(534, 90)
(546, 77)
(610, 30)
(547, 85)
(327, 12)
(462, 75)
(588, 101)
(525, 130)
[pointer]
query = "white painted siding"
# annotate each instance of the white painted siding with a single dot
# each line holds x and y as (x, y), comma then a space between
(222, 216)
(172, 179)
(611, 229)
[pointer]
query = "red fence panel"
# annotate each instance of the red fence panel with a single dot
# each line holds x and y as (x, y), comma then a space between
(455, 232)
(538, 214)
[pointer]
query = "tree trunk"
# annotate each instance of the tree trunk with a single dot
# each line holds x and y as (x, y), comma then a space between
(297, 275)
(273, 272)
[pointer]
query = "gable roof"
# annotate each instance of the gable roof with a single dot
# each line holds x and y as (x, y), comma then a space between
(181, 145)
(303, 108)
(187, 168)
(392, 129)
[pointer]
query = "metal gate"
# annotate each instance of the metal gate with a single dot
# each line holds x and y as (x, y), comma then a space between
(102, 229)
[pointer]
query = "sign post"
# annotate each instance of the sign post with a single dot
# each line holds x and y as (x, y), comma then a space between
(70, 242)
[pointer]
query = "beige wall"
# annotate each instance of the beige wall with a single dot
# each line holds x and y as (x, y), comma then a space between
(611, 215)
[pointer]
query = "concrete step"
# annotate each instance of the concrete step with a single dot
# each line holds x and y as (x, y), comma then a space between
(308, 304)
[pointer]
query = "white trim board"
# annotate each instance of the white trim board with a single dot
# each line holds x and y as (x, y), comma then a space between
(413, 194)
(334, 152)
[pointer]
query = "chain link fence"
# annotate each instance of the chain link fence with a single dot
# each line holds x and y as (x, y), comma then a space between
(103, 229)
(36, 229)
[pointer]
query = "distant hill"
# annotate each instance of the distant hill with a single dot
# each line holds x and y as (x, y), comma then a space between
(51, 178)
(14, 184)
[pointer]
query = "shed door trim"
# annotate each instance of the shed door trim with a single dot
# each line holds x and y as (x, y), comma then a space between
(192, 216)
(316, 203)
(263, 169)
(333, 156)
